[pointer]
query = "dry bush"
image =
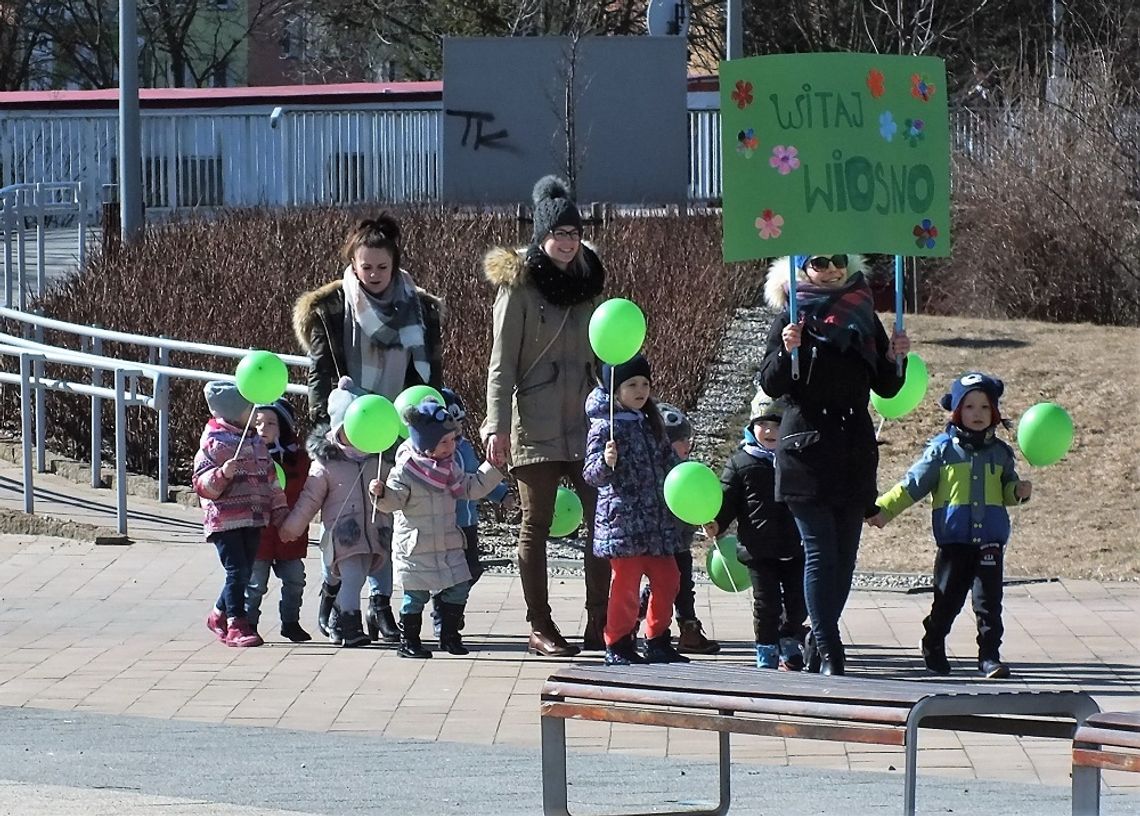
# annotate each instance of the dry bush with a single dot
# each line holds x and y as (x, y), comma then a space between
(1047, 215)
(233, 281)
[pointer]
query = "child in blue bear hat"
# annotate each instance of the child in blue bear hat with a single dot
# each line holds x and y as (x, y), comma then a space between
(971, 474)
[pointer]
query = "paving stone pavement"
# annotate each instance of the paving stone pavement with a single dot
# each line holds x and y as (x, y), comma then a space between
(119, 631)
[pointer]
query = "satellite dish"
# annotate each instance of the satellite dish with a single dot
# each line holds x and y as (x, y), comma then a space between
(668, 18)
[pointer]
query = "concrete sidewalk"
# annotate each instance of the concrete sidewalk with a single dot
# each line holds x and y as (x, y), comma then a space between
(93, 635)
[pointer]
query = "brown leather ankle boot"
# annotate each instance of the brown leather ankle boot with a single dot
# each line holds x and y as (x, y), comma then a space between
(547, 641)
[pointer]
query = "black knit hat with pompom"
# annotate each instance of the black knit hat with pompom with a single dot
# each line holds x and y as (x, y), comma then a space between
(553, 207)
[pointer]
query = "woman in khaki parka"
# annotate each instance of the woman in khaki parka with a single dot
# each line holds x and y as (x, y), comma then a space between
(542, 367)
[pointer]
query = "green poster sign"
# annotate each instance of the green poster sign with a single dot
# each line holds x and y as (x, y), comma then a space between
(831, 153)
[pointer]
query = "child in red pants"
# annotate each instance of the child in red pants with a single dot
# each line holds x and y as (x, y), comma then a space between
(627, 456)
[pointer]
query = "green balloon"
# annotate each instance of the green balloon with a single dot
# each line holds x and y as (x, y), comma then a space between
(724, 568)
(693, 493)
(371, 423)
(617, 330)
(261, 377)
(414, 396)
(910, 395)
(280, 474)
(567, 513)
(1044, 433)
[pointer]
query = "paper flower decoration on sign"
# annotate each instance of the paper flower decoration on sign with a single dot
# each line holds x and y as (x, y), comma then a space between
(747, 142)
(924, 234)
(769, 224)
(876, 83)
(887, 126)
(742, 94)
(784, 159)
(920, 88)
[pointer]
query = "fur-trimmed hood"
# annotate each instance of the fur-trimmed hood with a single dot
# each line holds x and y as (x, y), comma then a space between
(507, 267)
(305, 310)
(776, 284)
(320, 447)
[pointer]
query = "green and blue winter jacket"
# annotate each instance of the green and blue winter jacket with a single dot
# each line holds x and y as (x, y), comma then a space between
(970, 488)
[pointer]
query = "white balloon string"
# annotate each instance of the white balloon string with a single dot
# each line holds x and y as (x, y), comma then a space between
(611, 404)
(241, 441)
(879, 430)
(379, 473)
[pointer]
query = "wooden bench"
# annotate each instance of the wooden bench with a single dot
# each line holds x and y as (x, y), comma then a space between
(1108, 741)
(741, 700)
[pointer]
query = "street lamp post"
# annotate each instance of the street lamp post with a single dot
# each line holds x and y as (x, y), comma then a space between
(130, 148)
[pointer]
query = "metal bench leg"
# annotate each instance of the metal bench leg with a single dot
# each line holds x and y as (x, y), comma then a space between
(554, 798)
(554, 766)
(1086, 791)
(911, 770)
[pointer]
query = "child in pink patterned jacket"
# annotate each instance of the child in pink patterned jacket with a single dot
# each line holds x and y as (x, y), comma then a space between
(240, 495)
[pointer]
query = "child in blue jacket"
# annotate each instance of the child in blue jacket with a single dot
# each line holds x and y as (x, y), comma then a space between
(971, 475)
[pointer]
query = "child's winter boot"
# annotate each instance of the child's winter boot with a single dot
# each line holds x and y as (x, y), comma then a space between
(410, 644)
(623, 653)
(992, 668)
(449, 638)
(381, 622)
(216, 623)
(791, 654)
(325, 609)
(292, 630)
(241, 633)
(351, 629)
(660, 650)
(767, 656)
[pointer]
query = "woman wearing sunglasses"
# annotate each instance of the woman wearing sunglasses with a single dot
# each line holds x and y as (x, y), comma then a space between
(827, 455)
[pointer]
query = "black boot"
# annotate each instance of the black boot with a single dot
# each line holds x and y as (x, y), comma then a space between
(450, 614)
(351, 629)
(811, 654)
(832, 661)
(660, 650)
(594, 636)
(381, 622)
(410, 645)
(336, 637)
(328, 599)
(624, 653)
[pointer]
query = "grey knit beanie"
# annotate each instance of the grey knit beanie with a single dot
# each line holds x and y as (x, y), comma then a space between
(226, 402)
(342, 396)
(553, 208)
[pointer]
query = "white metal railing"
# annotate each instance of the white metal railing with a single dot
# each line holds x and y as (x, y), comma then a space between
(33, 353)
(40, 202)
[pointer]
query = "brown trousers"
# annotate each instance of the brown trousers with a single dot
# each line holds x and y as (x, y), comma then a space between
(538, 485)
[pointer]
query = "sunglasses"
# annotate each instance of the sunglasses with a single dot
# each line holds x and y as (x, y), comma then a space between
(820, 263)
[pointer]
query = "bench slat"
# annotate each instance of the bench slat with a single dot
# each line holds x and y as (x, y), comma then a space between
(716, 722)
(1121, 720)
(1087, 735)
(719, 679)
(1106, 760)
(720, 702)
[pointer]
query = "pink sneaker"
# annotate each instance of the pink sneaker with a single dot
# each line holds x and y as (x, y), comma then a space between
(242, 634)
(216, 623)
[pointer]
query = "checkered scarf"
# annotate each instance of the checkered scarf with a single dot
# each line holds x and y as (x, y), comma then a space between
(384, 331)
(843, 317)
(446, 476)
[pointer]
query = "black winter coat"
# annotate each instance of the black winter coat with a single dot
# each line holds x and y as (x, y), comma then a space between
(827, 452)
(764, 526)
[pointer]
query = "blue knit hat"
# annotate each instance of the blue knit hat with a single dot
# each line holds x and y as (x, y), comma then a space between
(974, 381)
(800, 260)
(428, 422)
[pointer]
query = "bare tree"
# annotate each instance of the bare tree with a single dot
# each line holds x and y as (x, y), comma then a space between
(22, 42)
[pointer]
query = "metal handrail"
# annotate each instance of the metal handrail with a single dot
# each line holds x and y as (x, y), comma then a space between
(139, 339)
(33, 354)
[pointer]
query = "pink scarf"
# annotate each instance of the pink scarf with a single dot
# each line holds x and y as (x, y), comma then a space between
(437, 475)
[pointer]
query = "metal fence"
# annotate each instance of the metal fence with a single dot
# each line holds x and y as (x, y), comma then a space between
(127, 391)
(26, 213)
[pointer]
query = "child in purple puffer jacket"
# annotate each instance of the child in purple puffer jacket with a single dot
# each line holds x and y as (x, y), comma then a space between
(628, 455)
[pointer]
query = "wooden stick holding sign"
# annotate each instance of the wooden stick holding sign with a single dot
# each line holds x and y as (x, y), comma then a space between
(793, 312)
(899, 306)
